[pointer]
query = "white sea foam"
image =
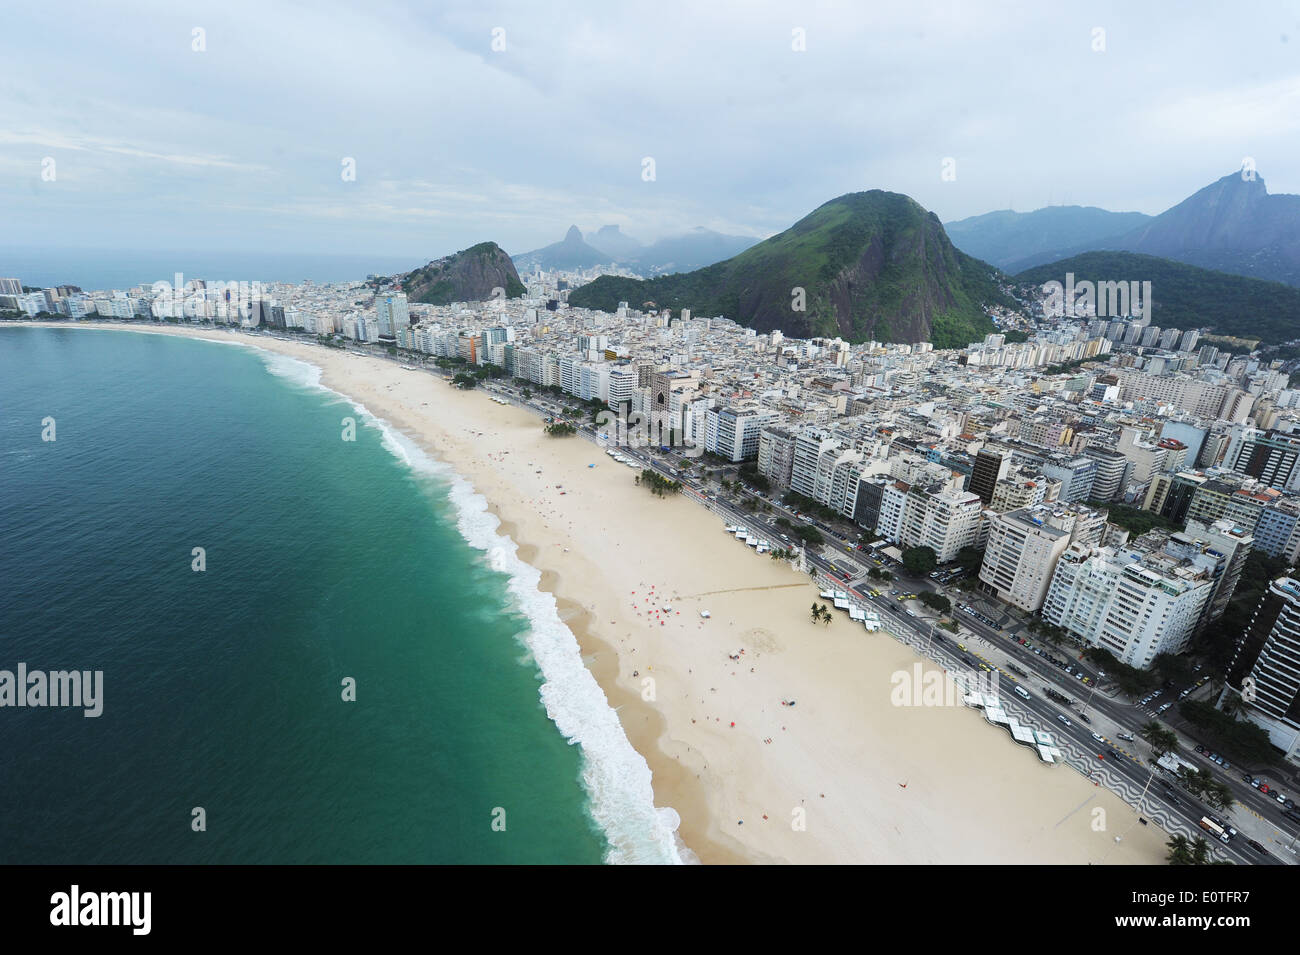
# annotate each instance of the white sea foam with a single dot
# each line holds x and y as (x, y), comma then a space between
(616, 776)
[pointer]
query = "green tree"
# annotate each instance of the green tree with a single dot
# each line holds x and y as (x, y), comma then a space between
(1162, 740)
(1180, 851)
(920, 560)
(936, 601)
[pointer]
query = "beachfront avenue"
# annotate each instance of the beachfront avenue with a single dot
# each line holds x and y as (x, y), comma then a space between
(1127, 777)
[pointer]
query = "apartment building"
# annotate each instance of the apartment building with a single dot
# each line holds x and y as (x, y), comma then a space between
(1136, 605)
(1265, 668)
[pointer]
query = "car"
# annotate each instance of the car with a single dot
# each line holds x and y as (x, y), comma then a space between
(1219, 760)
(1200, 748)
(1263, 787)
(1279, 796)
(1085, 717)
(1113, 754)
(1062, 718)
(1227, 765)
(1098, 737)
(1255, 845)
(1124, 736)
(961, 646)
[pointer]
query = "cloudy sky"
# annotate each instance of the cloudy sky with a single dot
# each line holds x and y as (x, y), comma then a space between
(242, 144)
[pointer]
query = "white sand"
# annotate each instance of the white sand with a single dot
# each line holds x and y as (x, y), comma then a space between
(840, 755)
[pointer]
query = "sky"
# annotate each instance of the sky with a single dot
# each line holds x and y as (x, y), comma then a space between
(230, 126)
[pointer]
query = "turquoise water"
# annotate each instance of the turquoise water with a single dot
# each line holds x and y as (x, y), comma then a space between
(222, 689)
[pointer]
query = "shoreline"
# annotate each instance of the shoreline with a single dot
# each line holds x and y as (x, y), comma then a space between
(710, 776)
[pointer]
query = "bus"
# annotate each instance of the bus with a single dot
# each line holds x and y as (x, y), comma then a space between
(1213, 828)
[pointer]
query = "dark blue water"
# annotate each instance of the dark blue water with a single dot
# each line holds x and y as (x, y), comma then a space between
(222, 689)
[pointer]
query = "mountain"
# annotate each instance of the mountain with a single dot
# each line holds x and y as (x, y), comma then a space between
(616, 244)
(696, 249)
(609, 245)
(572, 252)
(1185, 296)
(1018, 240)
(871, 265)
(468, 276)
(1232, 225)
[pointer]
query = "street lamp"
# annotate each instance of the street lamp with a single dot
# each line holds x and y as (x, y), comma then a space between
(1084, 711)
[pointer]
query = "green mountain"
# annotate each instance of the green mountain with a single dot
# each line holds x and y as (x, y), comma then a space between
(870, 265)
(1185, 296)
(470, 275)
(1020, 240)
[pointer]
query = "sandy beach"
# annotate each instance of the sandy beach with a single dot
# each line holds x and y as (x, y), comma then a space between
(843, 776)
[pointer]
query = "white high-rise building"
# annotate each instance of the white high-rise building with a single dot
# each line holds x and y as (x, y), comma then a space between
(944, 520)
(1022, 550)
(1135, 605)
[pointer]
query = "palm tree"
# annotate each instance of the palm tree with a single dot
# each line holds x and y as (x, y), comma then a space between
(1180, 851)
(1161, 739)
(816, 613)
(1200, 851)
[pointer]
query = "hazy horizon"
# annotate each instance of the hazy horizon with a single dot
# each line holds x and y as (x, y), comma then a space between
(497, 122)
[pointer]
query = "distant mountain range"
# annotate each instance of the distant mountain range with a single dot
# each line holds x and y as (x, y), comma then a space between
(1014, 241)
(609, 245)
(869, 264)
(470, 275)
(1232, 225)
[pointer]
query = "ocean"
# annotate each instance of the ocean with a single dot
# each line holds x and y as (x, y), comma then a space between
(324, 561)
(102, 269)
